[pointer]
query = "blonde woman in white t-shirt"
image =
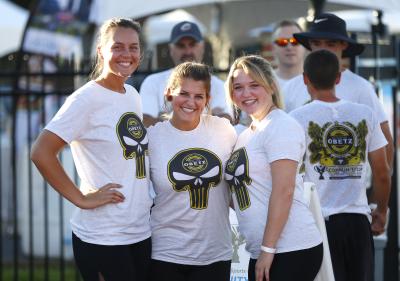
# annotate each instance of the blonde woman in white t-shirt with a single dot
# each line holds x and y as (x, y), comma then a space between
(102, 123)
(191, 236)
(280, 232)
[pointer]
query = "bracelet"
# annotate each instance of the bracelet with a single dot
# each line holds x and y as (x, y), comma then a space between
(268, 250)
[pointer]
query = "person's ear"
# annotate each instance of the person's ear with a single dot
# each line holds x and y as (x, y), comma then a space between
(306, 80)
(338, 77)
(168, 95)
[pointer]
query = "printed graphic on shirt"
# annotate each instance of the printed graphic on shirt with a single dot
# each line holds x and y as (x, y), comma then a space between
(237, 176)
(338, 149)
(195, 170)
(132, 136)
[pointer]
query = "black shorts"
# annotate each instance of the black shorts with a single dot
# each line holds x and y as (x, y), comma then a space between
(352, 246)
(168, 271)
(301, 265)
(115, 263)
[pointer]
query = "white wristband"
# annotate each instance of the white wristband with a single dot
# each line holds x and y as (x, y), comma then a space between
(268, 250)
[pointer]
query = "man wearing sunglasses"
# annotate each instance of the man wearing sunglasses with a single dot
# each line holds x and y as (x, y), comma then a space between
(328, 32)
(288, 53)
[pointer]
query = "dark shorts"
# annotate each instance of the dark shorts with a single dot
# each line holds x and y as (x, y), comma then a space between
(167, 271)
(115, 263)
(301, 265)
(352, 247)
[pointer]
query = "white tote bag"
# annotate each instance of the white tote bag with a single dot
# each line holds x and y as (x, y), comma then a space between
(312, 198)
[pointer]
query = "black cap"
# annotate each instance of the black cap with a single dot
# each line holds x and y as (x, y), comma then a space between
(185, 29)
(330, 26)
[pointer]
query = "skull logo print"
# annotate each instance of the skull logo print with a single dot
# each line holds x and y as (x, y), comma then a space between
(195, 170)
(132, 136)
(237, 176)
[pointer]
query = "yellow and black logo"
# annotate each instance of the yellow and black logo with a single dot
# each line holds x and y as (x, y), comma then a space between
(195, 170)
(135, 128)
(237, 176)
(194, 163)
(340, 140)
(338, 148)
(132, 136)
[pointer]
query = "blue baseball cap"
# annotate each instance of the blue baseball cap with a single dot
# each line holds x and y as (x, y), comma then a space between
(185, 29)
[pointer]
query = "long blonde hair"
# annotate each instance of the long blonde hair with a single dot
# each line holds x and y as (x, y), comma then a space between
(261, 71)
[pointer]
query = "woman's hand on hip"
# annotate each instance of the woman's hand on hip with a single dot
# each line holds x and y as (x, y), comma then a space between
(104, 195)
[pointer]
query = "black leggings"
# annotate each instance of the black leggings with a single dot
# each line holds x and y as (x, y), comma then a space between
(301, 265)
(167, 271)
(115, 263)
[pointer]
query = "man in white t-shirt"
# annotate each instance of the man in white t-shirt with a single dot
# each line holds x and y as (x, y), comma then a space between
(328, 32)
(288, 53)
(186, 44)
(341, 137)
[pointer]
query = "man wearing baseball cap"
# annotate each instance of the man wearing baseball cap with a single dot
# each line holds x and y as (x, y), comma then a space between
(328, 32)
(186, 44)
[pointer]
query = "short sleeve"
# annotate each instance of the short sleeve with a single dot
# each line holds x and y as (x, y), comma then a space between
(229, 133)
(286, 142)
(71, 119)
(377, 138)
(149, 92)
(371, 99)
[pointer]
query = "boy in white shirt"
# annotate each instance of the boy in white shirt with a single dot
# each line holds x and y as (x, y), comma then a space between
(328, 32)
(340, 137)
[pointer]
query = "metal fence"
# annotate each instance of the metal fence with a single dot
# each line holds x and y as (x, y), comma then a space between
(35, 235)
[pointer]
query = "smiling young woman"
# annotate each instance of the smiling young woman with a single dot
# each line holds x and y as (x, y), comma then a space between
(263, 171)
(190, 217)
(102, 123)
(188, 102)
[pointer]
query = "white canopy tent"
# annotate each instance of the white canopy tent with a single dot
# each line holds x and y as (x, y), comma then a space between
(104, 9)
(157, 28)
(12, 23)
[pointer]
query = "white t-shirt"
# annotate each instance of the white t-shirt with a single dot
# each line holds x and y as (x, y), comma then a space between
(248, 172)
(109, 145)
(351, 87)
(190, 217)
(339, 137)
(152, 93)
(282, 82)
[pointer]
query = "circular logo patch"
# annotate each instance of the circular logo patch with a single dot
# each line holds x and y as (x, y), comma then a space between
(340, 139)
(194, 163)
(134, 128)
